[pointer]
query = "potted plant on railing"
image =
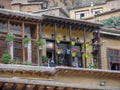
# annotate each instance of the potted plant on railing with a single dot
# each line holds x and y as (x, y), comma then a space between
(87, 45)
(45, 60)
(39, 43)
(6, 57)
(74, 52)
(58, 40)
(26, 41)
(87, 55)
(92, 66)
(59, 50)
(73, 41)
(9, 39)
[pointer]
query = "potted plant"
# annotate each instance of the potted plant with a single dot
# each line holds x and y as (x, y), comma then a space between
(59, 50)
(45, 60)
(87, 55)
(26, 41)
(6, 57)
(92, 66)
(26, 63)
(9, 38)
(39, 43)
(58, 40)
(73, 41)
(87, 45)
(74, 52)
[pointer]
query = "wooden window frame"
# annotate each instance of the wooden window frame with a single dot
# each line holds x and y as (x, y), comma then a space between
(114, 62)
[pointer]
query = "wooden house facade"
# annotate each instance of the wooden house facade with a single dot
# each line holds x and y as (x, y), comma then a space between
(53, 34)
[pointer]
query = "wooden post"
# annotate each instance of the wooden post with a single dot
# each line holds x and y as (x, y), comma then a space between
(40, 35)
(37, 32)
(70, 35)
(23, 34)
(55, 55)
(8, 27)
(99, 59)
(84, 46)
(8, 32)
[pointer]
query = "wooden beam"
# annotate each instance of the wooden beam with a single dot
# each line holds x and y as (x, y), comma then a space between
(13, 87)
(36, 87)
(45, 88)
(26, 87)
(2, 86)
(56, 88)
(65, 88)
(23, 34)
(18, 21)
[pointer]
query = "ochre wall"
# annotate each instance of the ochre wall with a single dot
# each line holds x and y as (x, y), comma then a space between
(6, 3)
(105, 16)
(106, 7)
(26, 8)
(89, 9)
(108, 43)
(86, 79)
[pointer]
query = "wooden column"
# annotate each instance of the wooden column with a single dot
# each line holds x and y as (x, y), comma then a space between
(23, 34)
(55, 55)
(37, 32)
(8, 32)
(70, 35)
(84, 45)
(40, 35)
(8, 27)
(99, 59)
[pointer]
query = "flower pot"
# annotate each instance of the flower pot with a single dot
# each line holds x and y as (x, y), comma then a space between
(73, 54)
(87, 45)
(87, 56)
(58, 41)
(59, 52)
(73, 43)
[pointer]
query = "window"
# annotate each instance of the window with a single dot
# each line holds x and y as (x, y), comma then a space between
(81, 15)
(3, 46)
(1, 6)
(113, 55)
(97, 11)
(17, 47)
(114, 59)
